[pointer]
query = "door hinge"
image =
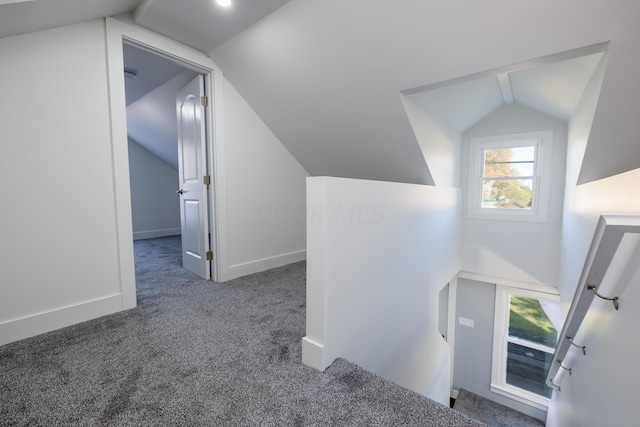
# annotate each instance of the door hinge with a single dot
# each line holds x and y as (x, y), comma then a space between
(209, 256)
(206, 180)
(204, 100)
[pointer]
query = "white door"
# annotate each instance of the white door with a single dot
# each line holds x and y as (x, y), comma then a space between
(191, 172)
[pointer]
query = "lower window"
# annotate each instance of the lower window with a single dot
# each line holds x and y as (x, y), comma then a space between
(525, 335)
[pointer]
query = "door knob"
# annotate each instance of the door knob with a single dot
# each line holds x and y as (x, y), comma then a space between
(180, 191)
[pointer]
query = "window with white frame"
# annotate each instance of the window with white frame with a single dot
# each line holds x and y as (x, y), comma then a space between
(525, 336)
(509, 176)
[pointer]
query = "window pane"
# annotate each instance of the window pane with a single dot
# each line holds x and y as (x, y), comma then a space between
(528, 321)
(527, 369)
(516, 161)
(507, 193)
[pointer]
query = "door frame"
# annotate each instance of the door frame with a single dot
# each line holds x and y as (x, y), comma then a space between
(117, 33)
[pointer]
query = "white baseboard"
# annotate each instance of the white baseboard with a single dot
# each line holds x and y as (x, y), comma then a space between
(36, 324)
(454, 394)
(313, 354)
(150, 234)
(257, 266)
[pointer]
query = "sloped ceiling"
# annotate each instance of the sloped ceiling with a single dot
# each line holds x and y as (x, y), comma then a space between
(151, 120)
(326, 75)
(150, 71)
(202, 24)
(25, 16)
(554, 87)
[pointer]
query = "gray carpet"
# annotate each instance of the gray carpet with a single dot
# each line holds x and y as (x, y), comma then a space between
(491, 413)
(197, 353)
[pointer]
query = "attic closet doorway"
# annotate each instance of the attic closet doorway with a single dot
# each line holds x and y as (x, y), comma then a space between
(167, 154)
(121, 34)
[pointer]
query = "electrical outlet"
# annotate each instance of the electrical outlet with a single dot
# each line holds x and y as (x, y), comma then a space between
(466, 322)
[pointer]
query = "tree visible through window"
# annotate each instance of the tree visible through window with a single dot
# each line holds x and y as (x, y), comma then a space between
(508, 177)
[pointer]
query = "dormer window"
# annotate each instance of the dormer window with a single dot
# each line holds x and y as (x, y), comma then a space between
(509, 177)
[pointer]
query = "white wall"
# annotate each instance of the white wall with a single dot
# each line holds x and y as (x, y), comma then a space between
(522, 251)
(265, 193)
(580, 215)
(152, 120)
(61, 259)
(439, 144)
(475, 300)
(58, 250)
(602, 389)
(378, 255)
(155, 207)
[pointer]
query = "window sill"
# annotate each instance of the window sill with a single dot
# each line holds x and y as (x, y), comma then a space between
(497, 214)
(521, 396)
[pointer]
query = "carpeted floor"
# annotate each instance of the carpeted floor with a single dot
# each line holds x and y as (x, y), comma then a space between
(491, 413)
(198, 353)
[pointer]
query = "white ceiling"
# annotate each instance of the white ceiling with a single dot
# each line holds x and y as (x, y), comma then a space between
(326, 75)
(202, 24)
(25, 16)
(151, 71)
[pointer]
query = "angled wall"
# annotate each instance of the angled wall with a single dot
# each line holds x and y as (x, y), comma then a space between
(440, 145)
(265, 193)
(593, 395)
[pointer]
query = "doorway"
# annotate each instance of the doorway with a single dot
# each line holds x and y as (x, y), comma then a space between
(167, 156)
(118, 34)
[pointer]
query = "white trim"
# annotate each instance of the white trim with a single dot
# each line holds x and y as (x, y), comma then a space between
(522, 396)
(454, 393)
(217, 170)
(499, 383)
(451, 326)
(543, 140)
(313, 354)
(150, 234)
(244, 269)
(503, 281)
(47, 321)
(116, 32)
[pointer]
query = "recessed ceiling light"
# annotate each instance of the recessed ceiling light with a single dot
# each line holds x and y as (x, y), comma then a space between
(225, 3)
(130, 74)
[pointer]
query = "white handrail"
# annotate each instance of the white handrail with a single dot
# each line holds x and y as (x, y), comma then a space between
(607, 237)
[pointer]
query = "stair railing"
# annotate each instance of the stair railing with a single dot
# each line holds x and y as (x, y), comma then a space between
(606, 240)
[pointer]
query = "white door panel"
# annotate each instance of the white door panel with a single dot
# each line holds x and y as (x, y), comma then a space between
(191, 172)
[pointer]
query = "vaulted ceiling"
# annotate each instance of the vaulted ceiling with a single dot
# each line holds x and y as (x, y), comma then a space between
(328, 76)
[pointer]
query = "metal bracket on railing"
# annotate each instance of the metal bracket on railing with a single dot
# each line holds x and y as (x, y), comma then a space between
(615, 300)
(554, 385)
(582, 347)
(566, 369)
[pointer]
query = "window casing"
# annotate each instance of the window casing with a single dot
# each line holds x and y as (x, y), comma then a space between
(523, 345)
(509, 177)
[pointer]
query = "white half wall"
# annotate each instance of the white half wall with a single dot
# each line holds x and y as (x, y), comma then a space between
(265, 193)
(58, 250)
(155, 208)
(378, 255)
